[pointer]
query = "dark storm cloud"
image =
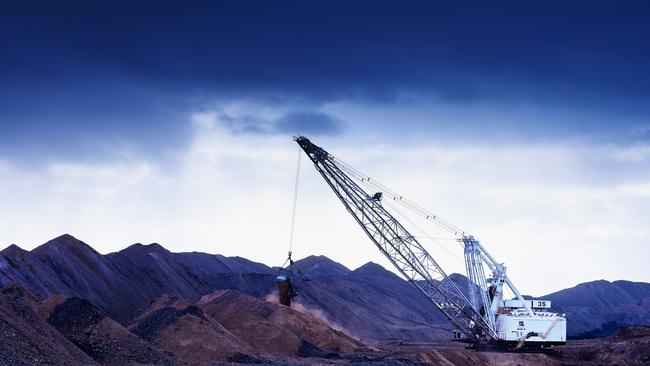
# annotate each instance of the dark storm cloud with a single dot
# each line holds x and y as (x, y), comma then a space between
(310, 123)
(294, 122)
(332, 49)
(83, 68)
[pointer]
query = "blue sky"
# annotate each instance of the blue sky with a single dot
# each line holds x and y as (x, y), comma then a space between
(149, 121)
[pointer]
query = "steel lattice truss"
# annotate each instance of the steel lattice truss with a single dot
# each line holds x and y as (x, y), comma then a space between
(399, 246)
(476, 279)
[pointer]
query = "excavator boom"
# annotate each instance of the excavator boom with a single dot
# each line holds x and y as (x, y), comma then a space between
(400, 247)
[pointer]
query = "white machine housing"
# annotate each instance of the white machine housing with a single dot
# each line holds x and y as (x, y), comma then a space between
(515, 324)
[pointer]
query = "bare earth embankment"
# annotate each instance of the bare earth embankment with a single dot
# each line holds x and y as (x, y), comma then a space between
(65, 304)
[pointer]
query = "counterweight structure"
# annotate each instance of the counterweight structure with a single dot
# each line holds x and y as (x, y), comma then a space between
(483, 316)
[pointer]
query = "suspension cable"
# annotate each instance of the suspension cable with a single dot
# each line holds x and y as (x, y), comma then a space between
(454, 256)
(295, 203)
(427, 215)
(425, 235)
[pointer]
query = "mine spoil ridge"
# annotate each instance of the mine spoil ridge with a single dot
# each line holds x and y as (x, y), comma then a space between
(63, 303)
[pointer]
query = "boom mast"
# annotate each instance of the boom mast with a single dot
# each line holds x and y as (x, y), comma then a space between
(400, 247)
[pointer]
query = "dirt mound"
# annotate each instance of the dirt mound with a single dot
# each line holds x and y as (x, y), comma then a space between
(260, 333)
(373, 304)
(630, 346)
(150, 326)
(633, 332)
(46, 307)
(458, 357)
(102, 338)
(275, 328)
(188, 334)
(163, 301)
(27, 339)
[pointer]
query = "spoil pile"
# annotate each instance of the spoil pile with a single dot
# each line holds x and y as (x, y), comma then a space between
(629, 346)
(275, 328)
(102, 338)
(27, 339)
(370, 302)
(185, 332)
(639, 331)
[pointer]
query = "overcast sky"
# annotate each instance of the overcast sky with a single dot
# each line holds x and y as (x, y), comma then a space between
(147, 121)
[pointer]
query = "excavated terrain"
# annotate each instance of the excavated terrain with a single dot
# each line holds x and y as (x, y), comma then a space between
(183, 331)
(65, 304)
(102, 338)
(369, 303)
(275, 328)
(629, 346)
(27, 339)
(229, 327)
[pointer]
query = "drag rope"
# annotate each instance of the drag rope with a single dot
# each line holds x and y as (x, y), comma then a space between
(295, 203)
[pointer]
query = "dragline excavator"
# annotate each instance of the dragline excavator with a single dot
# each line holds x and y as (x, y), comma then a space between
(482, 314)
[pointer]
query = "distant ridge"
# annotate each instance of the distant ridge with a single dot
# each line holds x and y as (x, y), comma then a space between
(371, 302)
(602, 306)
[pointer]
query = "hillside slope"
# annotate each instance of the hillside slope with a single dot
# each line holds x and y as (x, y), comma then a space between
(27, 338)
(602, 304)
(369, 303)
(184, 331)
(372, 303)
(122, 284)
(274, 327)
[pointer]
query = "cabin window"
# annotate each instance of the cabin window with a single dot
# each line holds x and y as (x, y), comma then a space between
(521, 323)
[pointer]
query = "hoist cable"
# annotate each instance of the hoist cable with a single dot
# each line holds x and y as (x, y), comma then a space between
(295, 202)
(454, 256)
(399, 198)
(366, 182)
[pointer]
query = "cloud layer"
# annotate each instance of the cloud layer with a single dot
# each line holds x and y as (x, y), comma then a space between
(81, 74)
(146, 121)
(551, 212)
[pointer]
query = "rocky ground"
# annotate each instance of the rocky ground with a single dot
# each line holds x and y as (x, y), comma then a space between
(610, 351)
(629, 346)
(369, 302)
(65, 304)
(101, 337)
(27, 338)
(229, 327)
